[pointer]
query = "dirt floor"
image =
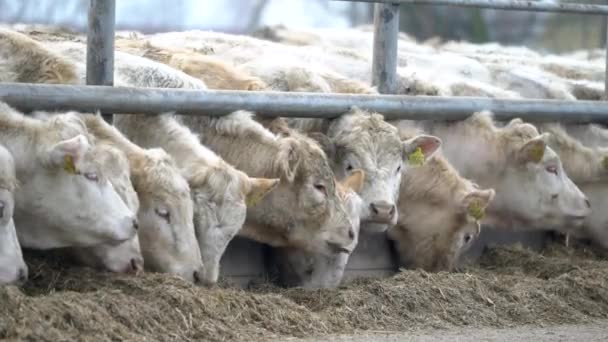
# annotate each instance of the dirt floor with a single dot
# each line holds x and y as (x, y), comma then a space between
(511, 288)
(596, 332)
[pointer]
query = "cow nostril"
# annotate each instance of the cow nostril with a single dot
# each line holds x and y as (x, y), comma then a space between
(374, 209)
(392, 211)
(351, 234)
(22, 275)
(134, 265)
(135, 225)
(588, 203)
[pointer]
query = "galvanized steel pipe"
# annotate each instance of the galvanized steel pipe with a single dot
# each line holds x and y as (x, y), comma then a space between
(606, 63)
(386, 38)
(100, 44)
(307, 105)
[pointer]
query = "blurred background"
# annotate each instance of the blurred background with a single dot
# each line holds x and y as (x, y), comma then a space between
(541, 31)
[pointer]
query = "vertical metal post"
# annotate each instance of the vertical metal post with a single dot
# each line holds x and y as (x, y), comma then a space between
(100, 45)
(386, 37)
(606, 71)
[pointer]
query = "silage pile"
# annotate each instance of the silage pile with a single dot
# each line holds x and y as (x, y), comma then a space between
(510, 286)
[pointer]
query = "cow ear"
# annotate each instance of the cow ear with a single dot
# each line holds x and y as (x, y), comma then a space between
(354, 181)
(514, 122)
(288, 159)
(475, 202)
(420, 148)
(533, 150)
(260, 187)
(69, 153)
(328, 146)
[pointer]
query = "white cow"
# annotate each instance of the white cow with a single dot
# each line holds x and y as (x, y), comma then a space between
(532, 189)
(362, 140)
(125, 257)
(588, 163)
(165, 215)
(219, 191)
(12, 266)
(166, 230)
(64, 198)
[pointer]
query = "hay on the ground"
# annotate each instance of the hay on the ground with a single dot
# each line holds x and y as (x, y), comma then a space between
(510, 286)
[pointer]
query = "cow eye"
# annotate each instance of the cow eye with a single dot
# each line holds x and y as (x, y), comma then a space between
(399, 169)
(349, 168)
(164, 213)
(552, 169)
(321, 188)
(1, 209)
(468, 238)
(92, 176)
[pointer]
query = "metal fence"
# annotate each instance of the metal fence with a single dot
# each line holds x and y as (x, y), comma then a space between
(306, 105)
(100, 57)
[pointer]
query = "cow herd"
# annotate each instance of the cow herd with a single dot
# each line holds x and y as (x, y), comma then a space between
(168, 193)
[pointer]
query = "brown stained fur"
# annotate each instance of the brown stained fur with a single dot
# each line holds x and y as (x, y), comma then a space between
(343, 85)
(289, 158)
(31, 62)
(572, 72)
(215, 73)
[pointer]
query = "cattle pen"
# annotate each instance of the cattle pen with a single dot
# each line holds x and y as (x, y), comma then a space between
(245, 261)
(99, 94)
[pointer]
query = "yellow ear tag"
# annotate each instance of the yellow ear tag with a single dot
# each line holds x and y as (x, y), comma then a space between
(476, 210)
(252, 200)
(68, 165)
(605, 163)
(537, 153)
(416, 158)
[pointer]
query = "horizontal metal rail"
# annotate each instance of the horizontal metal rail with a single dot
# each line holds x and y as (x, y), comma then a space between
(514, 5)
(272, 104)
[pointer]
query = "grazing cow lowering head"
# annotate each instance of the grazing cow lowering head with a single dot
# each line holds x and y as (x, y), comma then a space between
(304, 210)
(166, 230)
(312, 270)
(12, 267)
(65, 198)
(221, 194)
(440, 215)
(125, 257)
(219, 191)
(360, 140)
